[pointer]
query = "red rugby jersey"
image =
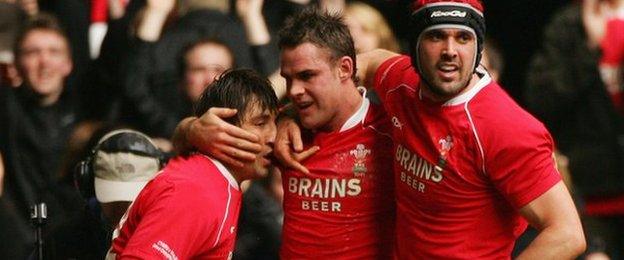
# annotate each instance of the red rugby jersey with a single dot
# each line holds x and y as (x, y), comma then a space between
(190, 210)
(344, 209)
(463, 168)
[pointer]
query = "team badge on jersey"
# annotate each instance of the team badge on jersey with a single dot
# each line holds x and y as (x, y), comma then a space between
(360, 152)
(446, 144)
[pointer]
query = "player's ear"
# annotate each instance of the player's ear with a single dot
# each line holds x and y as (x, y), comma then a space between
(345, 67)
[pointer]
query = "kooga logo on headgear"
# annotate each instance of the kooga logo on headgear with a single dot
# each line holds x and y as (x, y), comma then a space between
(455, 13)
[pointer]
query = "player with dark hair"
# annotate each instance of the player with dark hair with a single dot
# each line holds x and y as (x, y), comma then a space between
(190, 210)
(343, 206)
(472, 167)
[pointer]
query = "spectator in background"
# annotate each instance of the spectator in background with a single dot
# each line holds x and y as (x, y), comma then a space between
(37, 118)
(73, 17)
(109, 179)
(202, 62)
(369, 29)
(150, 76)
(575, 85)
(493, 59)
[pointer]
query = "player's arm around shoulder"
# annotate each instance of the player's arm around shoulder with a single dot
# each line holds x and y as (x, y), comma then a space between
(560, 232)
(369, 62)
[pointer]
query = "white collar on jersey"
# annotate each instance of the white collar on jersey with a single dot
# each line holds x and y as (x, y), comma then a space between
(225, 172)
(360, 114)
(468, 95)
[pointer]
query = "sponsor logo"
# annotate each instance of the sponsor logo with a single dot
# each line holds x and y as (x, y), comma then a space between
(454, 13)
(416, 165)
(323, 194)
(415, 170)
(360, 152)
(324, 188)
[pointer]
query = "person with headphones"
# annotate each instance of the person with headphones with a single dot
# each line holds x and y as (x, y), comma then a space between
(109, 179)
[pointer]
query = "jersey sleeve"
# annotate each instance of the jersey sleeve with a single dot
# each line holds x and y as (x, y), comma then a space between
(170, 227)
(387, 73)
(522, 166)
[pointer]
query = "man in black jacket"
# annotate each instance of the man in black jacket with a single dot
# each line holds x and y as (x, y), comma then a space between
(37, 118)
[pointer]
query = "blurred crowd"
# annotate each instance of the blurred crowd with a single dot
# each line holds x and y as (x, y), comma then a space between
(71, 71)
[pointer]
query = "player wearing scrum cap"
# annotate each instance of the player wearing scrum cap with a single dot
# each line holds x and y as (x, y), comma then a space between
(472, 167)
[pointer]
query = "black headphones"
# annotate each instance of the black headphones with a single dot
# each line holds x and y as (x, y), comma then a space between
(123, 140)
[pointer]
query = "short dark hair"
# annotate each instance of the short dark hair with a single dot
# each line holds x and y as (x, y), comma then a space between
(322, 29)
(238, 89)
(42, 21)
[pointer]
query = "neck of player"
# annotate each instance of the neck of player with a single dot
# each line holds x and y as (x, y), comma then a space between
(437, 98)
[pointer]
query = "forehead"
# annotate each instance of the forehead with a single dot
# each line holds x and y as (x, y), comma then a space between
(44, 37)
(304, 57)
(254, 110)
(449, 29)
(209, 52)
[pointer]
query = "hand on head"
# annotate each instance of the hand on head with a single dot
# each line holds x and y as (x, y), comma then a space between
(226, 142)
(236, 146)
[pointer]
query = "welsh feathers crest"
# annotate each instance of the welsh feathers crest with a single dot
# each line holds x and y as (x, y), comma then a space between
(360, 152)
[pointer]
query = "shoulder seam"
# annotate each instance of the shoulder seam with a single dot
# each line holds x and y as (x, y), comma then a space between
(381, 132)
(227, 209)
(476, 135)
(385, 73)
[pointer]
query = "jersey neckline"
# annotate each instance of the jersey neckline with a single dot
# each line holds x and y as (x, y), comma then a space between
(224, 171)
(359, 115)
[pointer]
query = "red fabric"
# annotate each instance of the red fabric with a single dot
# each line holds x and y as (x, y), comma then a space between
(463, 168)
(613, 206)
(343, 209)
(613, 43)
(612, 61)
(99, 11)
(189, 211)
